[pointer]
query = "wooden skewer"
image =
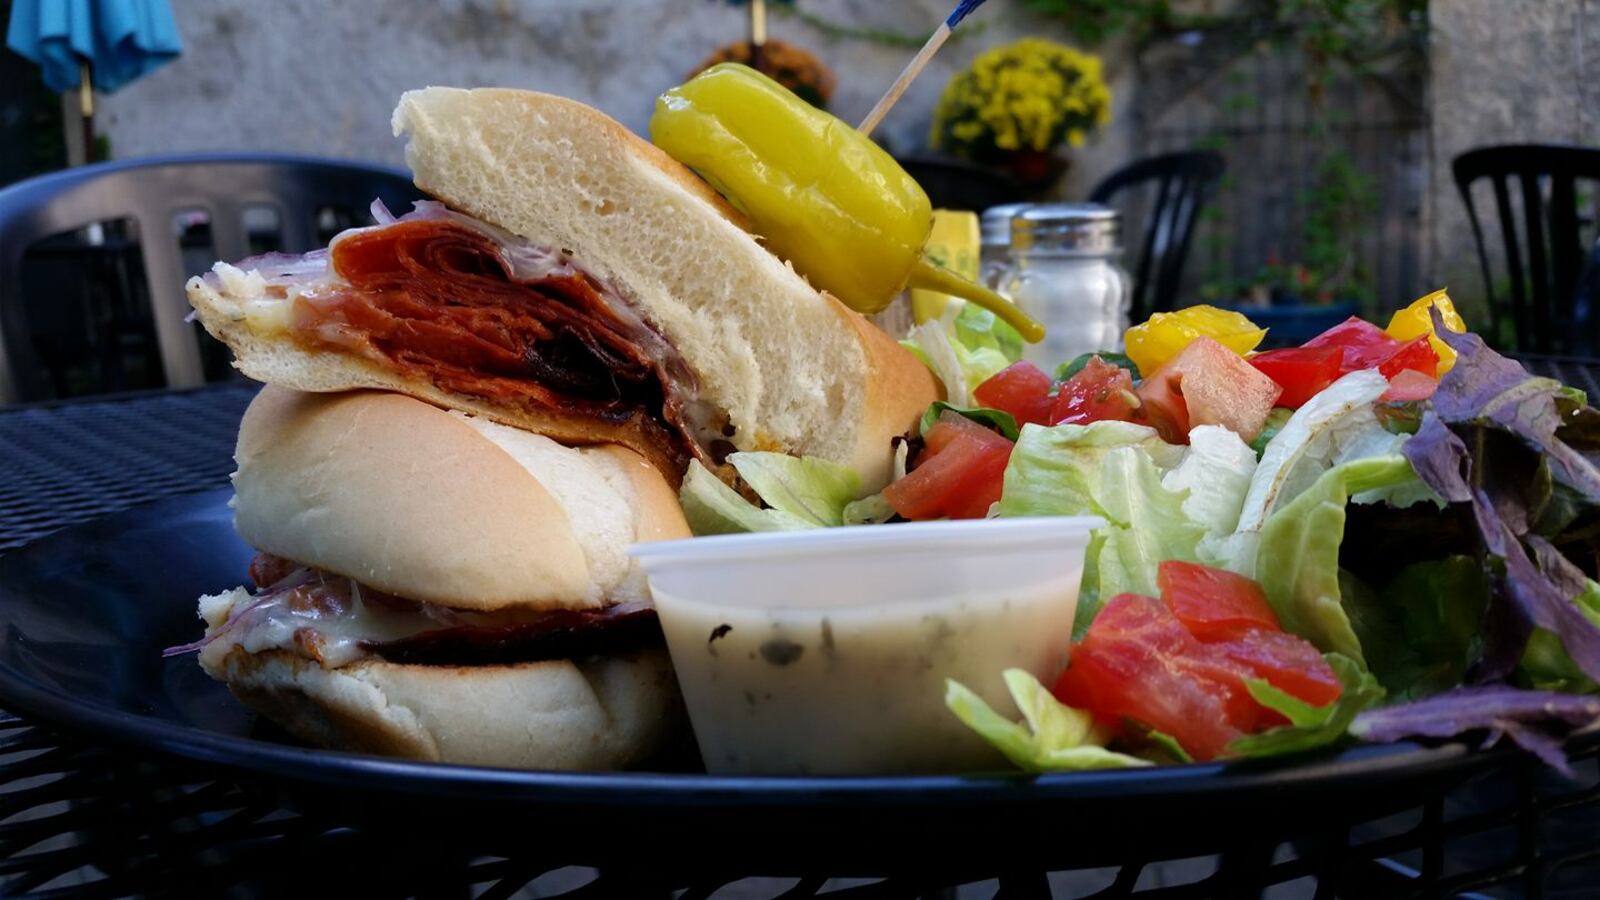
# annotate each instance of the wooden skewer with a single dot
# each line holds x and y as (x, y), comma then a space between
(907, 75)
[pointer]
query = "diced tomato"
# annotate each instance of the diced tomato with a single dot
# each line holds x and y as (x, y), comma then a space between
(1162, 407)
(1141, 618)
(1287, 662)
(1364, 344)
(1207, 384)
(1213, 604)
(1138, 663)
(1098, 392)
(1415, 355)
(1409, 385)
(1225, 679)
(952, 425)
(1021, 389)
(1301, 371)
(959, 474)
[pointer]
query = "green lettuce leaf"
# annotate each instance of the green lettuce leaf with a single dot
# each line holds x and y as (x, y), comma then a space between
(1157, 744)
(1111, 470)
(873, 510)
(999, 420)
(812, 490)
(1053, 468)
(1216, 472)
(979, 330)
(1310, 726)
(960, 367)
(932, 344)
(711, 507)
(1051, 738)
(1545, 663)
(1299, 553)
(1293, 460)
(1146, 524)
(1421, 631)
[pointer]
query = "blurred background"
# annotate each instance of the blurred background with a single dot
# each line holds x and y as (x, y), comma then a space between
(1339, 122)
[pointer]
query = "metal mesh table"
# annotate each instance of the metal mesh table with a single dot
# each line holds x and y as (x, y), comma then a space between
(88, 821)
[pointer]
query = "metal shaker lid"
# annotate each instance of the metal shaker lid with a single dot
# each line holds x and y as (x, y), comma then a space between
(997, 223)
(1087, 228)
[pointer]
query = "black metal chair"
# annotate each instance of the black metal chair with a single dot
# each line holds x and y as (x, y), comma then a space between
(957, 184)
(1182, 184)
(302, 192)
(1543, 239)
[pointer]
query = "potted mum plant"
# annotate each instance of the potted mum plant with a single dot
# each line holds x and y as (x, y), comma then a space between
(1015, 105)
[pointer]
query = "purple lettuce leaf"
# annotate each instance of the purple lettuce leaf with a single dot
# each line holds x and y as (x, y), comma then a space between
(1487, 388)
(1537, 721)
(1532, 590)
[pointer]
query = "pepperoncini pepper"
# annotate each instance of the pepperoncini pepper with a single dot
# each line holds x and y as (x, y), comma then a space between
(821, 194)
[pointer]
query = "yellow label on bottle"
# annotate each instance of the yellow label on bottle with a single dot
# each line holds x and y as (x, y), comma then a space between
(953, 244)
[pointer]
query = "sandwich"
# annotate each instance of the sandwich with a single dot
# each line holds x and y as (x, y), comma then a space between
(575, 282)
(442, 587)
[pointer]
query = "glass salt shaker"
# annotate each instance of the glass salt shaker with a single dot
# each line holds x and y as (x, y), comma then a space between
(994, 258)
(1064, 271)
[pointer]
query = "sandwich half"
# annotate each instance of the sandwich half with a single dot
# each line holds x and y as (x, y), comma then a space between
(441, 587)
(579, 283)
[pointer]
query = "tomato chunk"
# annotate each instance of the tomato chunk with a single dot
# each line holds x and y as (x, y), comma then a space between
(953, 425)
(959, 474)
(1207, 384)
(1214, 604)
(1415, 355)
(1287, 662)
(1302, 372)
(1137, 663)
(1162, 407)
(1099, 391)
(1363, 344)
(1409, 385)
(1021, 389)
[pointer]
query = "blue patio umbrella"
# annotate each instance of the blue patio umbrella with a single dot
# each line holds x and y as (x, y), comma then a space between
(93, 44)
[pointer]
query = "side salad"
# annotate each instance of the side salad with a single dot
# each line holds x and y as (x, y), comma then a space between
(1384, 533)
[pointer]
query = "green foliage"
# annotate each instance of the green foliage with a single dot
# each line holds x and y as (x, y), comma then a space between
(1349, 30)
(884, 36)
(1340, 198)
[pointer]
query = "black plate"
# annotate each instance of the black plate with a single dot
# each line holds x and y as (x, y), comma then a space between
(86, 612)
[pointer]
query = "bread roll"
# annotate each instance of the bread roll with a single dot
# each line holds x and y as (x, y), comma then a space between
(791, 369)
(439, 507)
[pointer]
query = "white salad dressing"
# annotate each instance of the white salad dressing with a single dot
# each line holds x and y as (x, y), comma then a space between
(826, 652)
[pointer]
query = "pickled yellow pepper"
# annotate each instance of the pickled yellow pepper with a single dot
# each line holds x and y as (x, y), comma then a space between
(821, 194)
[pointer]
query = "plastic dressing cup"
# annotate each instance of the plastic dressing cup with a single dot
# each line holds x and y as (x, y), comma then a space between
(826, 651)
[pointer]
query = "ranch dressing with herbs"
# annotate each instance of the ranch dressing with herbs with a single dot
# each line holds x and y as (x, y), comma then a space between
(839, 688)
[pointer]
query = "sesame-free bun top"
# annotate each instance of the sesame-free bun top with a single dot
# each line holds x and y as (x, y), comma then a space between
(445, 508)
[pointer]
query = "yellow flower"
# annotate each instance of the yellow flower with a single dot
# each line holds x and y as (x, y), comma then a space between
(1033, 93)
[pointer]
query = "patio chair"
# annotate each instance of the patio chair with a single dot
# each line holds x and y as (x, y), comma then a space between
(1543, 236)
(302, 194)
(957, 184)
(1182, 184)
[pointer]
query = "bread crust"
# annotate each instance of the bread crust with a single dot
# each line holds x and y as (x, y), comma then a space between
(409, 499)
(601, 127)
(896, 395)
(602, 713)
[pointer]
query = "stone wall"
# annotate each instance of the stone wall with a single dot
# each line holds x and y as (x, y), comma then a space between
(320, 77)
(1503, 71)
